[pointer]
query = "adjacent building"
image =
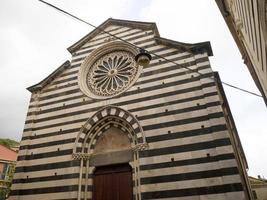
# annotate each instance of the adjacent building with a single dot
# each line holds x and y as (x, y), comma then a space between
(247, 21)
(8, 159)
(103, 127)
(259, 188)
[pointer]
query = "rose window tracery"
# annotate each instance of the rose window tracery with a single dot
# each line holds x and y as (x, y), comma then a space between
(112, 73)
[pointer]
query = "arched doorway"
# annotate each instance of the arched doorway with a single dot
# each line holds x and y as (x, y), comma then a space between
(113, 182)
(112, 136)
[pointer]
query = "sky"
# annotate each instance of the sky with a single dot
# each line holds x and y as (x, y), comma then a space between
(34, 39)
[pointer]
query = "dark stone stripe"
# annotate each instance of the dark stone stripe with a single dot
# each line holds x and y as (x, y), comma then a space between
(157, 71)
(184, 134)
(194, 161)
(127, 93)
(67, 131)
(83, 120)
(108, 36)
(171, 112)
(189, 176)
(183, 110)
(45, 190)
(76, 72)
(131, 110)
(183, 121)
(104, 42)
(46, 155)
(138, 83)
(42, 167)
(185, 148)
(46, 178)
(146, 153)
(166, 69)
(48, 144)
(150, 139)
(234, 187)
(142, 167)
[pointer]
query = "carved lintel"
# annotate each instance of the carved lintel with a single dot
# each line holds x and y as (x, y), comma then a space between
(140, 147)
(79, 156)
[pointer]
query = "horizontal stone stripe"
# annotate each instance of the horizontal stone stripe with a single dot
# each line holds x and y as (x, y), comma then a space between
(148, 73)
(45, 155)
(134, 42)
(47, 144)
(46, 178)
(186, 162)
(184, 121)
(147, 127)
(42, 167)
(127, 93)
(76, 72)
(67, 131)
(234, 187)
(119, 30)
(88, 102)
(146, 153)
(188, 133)
(183, 110)
(185, 148)
(76, 163)
(173, 135)
(57, 89)
(150, 139)
(68, 188)
(142, 167)
(129, 39)
(87, 111)
(49, 196)
(189, 176)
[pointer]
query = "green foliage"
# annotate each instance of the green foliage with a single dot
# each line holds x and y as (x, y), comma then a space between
(8, 143)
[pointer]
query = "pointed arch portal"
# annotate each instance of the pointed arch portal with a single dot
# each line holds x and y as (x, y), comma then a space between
(110, 137)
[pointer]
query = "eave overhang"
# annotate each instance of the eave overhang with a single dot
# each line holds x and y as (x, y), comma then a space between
(194, 48)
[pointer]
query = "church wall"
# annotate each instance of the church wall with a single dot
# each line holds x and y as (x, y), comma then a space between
(190, 155)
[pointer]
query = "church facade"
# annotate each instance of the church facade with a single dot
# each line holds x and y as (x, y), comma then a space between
(103, 127)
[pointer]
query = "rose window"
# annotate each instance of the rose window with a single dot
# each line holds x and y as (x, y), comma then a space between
(112, 74)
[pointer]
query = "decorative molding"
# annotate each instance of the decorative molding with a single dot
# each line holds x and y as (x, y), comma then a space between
(140, 147)
(104, 75)
(112, 73)
(81, 156)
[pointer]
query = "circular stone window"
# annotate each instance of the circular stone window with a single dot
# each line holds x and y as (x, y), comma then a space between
(108, 71)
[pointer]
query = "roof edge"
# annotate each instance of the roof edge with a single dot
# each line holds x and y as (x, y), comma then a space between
(49, 78)
(193, 47)
(98, 29)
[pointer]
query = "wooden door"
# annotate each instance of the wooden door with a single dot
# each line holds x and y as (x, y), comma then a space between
(113, 183)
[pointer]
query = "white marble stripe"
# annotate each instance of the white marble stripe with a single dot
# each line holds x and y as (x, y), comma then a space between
(191, 183)
(186, 155)
(149, 84)
(50, 196)
(187, 168)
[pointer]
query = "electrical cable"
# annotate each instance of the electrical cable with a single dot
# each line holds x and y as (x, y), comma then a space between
(156, 55)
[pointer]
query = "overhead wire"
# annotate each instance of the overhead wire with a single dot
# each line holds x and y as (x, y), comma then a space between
(156, 55)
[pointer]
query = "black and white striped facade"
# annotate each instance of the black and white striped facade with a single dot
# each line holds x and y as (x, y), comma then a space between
(183, 143)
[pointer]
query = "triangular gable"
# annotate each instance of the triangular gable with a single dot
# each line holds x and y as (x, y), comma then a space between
(110, 21)
(197, 47)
